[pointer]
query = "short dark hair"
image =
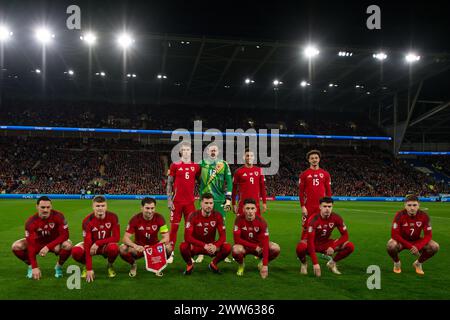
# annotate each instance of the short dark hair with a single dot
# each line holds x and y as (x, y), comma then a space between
(148, 200)
(249, 201)
(411, 197)
(43, 198)
(206, 195)
(326, 200)
(99, 199)
(247, 149)
(313, 152)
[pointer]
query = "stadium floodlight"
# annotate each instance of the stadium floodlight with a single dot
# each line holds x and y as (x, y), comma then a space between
(134, 75)
(5, 33)
(380, 56)
(345, 54)
(411, 58)
(249, 81)
(125, 40)
(304, 83)
(277, 82)
(310, 51)
(38, 71)
(44, 35)
(100, 74)
(69, 72)
(161, 76)
(90, 38)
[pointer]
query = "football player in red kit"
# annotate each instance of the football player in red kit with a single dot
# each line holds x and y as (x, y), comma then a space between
(314, 184)
(320, 228)
(145, 227)
(180, 191)
(101, 232)
(200, 235)
(406, 234)
(251, 236)
(249, 181)
(45, 231)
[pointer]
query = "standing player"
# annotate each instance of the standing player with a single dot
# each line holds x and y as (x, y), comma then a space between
(45, 231)
(406, 234)
(216, 179)
(320, 228)
(314, 184)
(200, 235)
(101, 232)
(145, 227)
(250, 182)
(180, 191)
(251, 236)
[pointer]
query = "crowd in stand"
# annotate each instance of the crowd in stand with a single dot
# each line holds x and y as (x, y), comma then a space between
(98, 166)
(107, 115)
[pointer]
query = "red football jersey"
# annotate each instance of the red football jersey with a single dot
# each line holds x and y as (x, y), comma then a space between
(314, 185)
(251, 184)
(201, 230)
(45, 232)
(320, 230)
(407, 229)
(184, 175)
(100, 232)
(146, 231)
(252, 234)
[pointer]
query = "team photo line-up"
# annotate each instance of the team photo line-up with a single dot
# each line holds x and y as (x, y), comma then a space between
(205, 228)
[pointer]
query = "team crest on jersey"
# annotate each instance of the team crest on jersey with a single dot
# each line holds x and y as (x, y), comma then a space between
(321, 175)
(219, 166)
(213, 224)
(419, 223)
(52, 225)
(154, 227)
(256, 173)
(108, 225)
(193, 169)
(141, 228)
(256, 229)
(331, 224)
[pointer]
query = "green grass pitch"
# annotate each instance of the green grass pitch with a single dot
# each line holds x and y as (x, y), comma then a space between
(369, 229)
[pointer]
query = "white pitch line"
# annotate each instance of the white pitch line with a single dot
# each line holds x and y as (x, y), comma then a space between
(434, 217)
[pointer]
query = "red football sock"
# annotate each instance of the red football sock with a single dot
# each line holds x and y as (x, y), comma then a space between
(112, 251)
(239, 258)
(347, 250)
(63, 256)
(186, 253)
(222, 254)
(425, 256)
(22, 255)
(128, 257)
(301, 251)
(78, 254)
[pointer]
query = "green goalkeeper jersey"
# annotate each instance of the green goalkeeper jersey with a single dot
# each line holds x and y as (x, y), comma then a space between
(216, 178)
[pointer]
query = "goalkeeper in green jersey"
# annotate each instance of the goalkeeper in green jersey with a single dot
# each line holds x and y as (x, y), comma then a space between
(216, 178)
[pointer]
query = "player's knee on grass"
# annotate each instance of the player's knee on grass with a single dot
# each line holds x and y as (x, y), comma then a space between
(432, 246)
(184, 247)
(349, 246)
(112, 249)
(392, 246)
(274, 250)
(124, 249)
(67, 245)
(238, 249)
(19, 245)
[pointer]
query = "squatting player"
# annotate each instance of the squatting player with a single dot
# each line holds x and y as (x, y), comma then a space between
(145, 227)
(101, 233)
(406, 234)
(216, 179)
(45, 231)
(249, 181)
(200, 235)
(320, 228)
(180, 191)
(314, 184)
(251, 236)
